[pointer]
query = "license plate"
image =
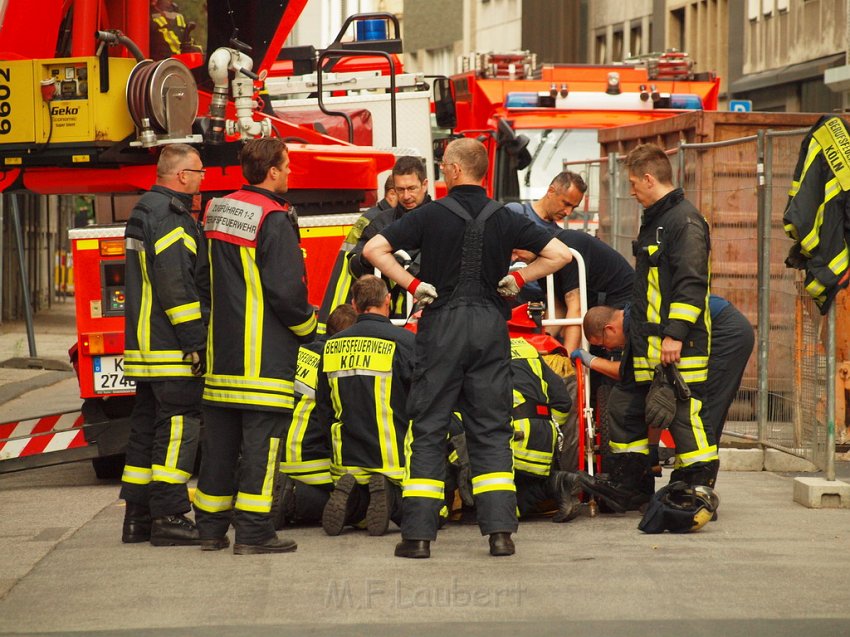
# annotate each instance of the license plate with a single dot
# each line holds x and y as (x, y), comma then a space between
(109, 376)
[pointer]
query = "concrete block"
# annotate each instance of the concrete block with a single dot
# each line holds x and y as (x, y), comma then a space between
(741, 459)
(820, 493)
(775, 460)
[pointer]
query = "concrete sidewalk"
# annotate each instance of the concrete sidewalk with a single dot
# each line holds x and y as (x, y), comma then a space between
(55, 332)
(768, 566)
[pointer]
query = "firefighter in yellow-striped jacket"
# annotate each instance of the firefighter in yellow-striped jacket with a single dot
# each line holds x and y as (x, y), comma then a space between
(361, 398)
(541, 404)
(305, 462)
(670, 324)
(164, 341)
(259, 313)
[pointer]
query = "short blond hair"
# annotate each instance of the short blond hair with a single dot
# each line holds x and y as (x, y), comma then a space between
(470, 155)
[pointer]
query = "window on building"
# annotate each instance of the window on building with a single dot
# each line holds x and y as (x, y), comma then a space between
(601, 50)
(617, 47)
(635, 41)
(677, 29)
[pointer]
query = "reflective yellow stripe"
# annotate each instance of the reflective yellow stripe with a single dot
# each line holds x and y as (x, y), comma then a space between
(812, 240)
(791, 230)
(171, 238)
(143, 329)
(153, 356)
(684, 312)
(297, 430)
(184, 313)
(305, 328)
(839, 263)
(531, 467)
(157, 371)
(423, 488)
(136, 475)
(560, 417)
(189, 242)
(169, 475)
(697, 425)
(257, 383)
(815, 288)
(256, 503)
(246, 397)
(700, 455)
(313, 478)
(638, 446)
(695, 375)
(496, 481)
(303, 466)
(212, 503)
(210, 351)
(254, 310)
(175, 438)
(362, 474)
(385, 420)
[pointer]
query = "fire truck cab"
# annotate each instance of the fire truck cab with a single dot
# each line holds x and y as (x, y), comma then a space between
(539, 117)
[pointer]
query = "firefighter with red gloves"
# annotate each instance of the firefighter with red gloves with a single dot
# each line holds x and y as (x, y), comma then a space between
(670, 325)
(462, 346)
(259, 315)
(164, 341)
(361, 398)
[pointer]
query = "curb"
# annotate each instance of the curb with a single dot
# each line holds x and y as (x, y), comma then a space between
(15, 389)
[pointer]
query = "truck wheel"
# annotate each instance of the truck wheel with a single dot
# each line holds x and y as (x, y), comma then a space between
(108, 467)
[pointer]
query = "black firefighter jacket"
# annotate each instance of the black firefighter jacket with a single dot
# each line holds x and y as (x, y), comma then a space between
(162, 309)
(259, 311)
(671, 288)
(817, 216)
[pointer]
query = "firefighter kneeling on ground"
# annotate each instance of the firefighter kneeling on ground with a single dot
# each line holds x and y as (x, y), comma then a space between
(304, 481)
(361, 398)
(541, 405)
(733, 339)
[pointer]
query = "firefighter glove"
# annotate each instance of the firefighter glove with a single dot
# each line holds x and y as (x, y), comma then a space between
(403, 258)
(660, 400)
(424, 293)
(511, 284)
(585, 356)
(198, 361)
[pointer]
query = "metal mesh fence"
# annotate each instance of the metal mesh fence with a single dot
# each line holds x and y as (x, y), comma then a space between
(722, 179)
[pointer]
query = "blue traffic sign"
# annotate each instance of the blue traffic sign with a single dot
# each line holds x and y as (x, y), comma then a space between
(740, 106)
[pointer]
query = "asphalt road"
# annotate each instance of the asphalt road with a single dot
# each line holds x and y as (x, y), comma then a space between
(768, 566)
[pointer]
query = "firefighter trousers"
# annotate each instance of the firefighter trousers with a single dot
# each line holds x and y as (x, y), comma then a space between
(164, 428)
(233, 486)
(462, 364)
(732, 341)
(627, 427)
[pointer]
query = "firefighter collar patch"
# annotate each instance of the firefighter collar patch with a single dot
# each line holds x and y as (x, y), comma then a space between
(233, 217)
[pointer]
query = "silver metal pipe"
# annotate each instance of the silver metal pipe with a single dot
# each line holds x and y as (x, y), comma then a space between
(764, 232)
(19, 238)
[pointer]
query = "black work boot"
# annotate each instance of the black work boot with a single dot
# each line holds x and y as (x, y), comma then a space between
(174, 530)
(284, 510)
(272, 545)
(416, 549)
(336, 510)
(137, 524)
(565, 489)
(382, 500)
(501, 544)
(626, 489)
(215, 544)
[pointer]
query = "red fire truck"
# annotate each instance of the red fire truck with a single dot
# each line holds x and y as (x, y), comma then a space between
(83, 110)
(538, 117)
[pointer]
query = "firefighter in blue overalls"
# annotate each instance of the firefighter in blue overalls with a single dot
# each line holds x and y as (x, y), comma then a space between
(462, 344)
